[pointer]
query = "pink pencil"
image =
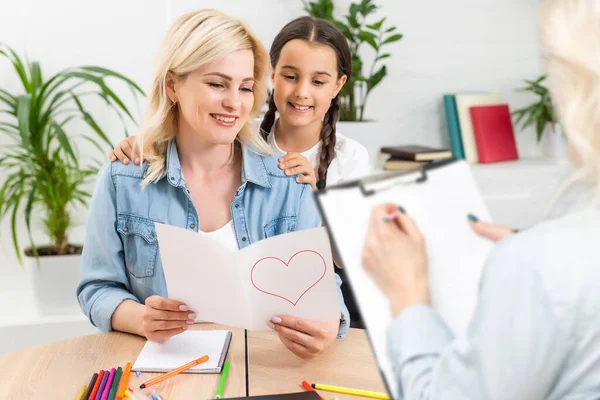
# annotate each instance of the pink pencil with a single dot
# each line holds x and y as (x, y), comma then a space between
(108, 384)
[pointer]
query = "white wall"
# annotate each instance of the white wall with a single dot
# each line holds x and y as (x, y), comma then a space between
(449, 46)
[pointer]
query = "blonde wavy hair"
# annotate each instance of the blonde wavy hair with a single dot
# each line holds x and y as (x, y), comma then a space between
(570, 41)
(195, 40)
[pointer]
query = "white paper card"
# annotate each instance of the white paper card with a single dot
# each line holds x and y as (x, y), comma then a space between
(289, 274)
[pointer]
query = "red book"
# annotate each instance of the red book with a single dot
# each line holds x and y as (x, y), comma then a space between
(494, 133)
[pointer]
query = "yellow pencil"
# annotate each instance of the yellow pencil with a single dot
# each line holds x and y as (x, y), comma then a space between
(355, 392)
(83, 389)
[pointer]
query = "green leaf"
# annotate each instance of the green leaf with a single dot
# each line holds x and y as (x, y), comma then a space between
(23, 115)
(108, 72)
(91, 122)
(381, 57)
(369, 38)
(390, 29)
(16, 204)
(344, 29)
(28, 209)
(376, 78)
(393, 38)
(352, 21)
(376, 26)
(64, 141)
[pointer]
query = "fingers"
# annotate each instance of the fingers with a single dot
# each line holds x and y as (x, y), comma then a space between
(300, 325)
(296, 348)
(407, 224)
(490, 231)
(290, 156)
(125, 152)
(164, 335)
(162, 303)
(156, 314)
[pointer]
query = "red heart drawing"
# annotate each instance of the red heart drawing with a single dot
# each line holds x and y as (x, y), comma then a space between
(287, 264)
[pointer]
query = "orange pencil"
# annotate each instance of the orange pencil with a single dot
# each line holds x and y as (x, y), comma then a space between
(174, 372)
(308, 387)
(124, 382)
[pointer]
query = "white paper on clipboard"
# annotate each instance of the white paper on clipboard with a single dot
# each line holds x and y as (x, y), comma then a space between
(438, 197)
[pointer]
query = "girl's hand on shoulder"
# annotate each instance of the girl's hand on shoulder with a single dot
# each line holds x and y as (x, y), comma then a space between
(306, 339)
(164, 318)
(125, 151)
(297, 164)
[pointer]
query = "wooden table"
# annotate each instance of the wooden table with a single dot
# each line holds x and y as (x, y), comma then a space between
(59, 370)
(273, 369)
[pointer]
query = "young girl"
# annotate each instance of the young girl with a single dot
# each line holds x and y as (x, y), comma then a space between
(205, 169)
(311, 61)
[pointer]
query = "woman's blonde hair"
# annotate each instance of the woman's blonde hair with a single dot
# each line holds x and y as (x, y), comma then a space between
(195, 40)
(570, 40)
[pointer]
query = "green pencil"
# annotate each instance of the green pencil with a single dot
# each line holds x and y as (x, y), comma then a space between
(115, 384)
(222, 381)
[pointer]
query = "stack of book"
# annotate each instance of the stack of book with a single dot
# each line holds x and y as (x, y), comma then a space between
(480, 128)
(412, 156)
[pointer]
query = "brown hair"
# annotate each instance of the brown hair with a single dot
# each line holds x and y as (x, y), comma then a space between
(314, 30)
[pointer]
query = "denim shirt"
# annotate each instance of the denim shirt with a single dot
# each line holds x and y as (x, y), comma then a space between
(121, 258)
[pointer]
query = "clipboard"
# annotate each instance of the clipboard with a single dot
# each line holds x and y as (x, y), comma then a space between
(438, 196)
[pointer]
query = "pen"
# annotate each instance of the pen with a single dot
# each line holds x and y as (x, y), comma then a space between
(102, 385)
(222, 381)
(115, 385)
(109, 382)
(81, 393)
(124, 382)
(355, 392)
(154, 394)
(90, 386)
(307, 386)
(96, 385)
(174, 372)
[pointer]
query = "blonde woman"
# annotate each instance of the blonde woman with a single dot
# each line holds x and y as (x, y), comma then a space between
(536, 331)
(204, 169)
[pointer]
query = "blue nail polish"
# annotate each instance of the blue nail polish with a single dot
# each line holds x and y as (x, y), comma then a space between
(472, 218)
(401, 209)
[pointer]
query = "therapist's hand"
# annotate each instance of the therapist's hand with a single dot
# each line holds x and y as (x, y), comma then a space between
(493, 232)
(164, 318)
(125, 151)
(306, 339)
(394, 256)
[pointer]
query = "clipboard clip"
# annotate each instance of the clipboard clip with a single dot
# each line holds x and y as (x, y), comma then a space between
(396, 180)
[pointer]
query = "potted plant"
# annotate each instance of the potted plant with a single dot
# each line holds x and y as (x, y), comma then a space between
(42, 173)
(541, 115)
(360, 30)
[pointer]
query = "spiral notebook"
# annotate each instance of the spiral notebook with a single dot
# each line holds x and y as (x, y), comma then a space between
(183, 348)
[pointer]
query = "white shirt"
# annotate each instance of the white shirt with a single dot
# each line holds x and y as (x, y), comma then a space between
(351, 160)
(535, 333)
(225, 235)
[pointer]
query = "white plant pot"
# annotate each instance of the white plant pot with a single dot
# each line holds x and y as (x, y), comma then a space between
(54, 280)
(554, 143)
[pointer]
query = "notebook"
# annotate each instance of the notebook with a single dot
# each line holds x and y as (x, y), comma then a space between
(417, 152)
(183, 348)
(463, 103)
(438, 196)
(494, 133)
(453, 127)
